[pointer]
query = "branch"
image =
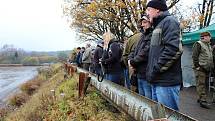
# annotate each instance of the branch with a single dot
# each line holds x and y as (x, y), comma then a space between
(210, 12)
(173, 3)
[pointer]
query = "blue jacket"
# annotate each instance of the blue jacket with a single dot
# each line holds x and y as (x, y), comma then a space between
(78, 58)
(164, 61)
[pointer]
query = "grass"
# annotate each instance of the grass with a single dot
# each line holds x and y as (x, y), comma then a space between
(92, 108)
(35, 108)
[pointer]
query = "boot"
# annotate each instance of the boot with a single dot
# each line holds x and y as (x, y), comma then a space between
(198, 100)
(204, 104)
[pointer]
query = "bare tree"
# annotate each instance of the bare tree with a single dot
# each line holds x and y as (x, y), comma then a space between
(206, 12)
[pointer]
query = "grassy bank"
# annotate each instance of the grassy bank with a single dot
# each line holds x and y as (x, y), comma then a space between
(56, 99)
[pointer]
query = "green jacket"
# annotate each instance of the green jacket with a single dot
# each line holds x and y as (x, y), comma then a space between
(130, 45)
(202, 55)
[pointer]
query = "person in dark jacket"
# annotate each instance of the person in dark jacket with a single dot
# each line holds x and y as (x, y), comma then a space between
(164, 62)
(111, 58)
(78, 57)
(97, 56)
(138, 58)
(81, 55)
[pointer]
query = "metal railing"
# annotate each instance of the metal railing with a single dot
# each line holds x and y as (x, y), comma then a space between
(138, 107)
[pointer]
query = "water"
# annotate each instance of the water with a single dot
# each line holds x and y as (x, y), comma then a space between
(12, 77)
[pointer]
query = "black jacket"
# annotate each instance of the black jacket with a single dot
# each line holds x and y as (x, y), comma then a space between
(97, 55)
(139, 56)
(164, 62)
(111, 58)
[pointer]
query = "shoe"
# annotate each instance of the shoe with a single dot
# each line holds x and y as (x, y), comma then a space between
(198, 101)
(204, 104)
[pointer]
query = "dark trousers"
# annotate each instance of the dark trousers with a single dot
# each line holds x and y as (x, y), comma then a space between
(86, 66)
(201, 84)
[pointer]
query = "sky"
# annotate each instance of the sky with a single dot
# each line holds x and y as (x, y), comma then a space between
(37, 25)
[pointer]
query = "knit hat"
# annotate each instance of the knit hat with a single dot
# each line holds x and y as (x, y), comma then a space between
(144, 17)
(205, 34)
(158, 4)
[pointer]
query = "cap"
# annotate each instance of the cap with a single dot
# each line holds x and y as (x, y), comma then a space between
(158, 4)
(205, 34)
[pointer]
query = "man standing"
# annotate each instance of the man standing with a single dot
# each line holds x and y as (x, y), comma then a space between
(138, 58)
(78, 56)
(97, 56)
(130, 75)
(129, 46)
(86, 58)
(164, 62)
(203, 64)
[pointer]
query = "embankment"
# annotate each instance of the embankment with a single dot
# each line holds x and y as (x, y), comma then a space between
(57, 99)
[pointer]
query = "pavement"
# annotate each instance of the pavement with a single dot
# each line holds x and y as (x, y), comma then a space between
(190, 107)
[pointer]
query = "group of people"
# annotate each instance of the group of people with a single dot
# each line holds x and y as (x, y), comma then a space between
(150, 61)
(82, 56)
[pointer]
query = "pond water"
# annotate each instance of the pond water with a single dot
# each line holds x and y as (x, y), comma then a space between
(12, 77)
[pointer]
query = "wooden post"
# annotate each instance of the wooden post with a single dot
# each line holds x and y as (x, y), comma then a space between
(82, 77)
(66, 66)
(86, 83)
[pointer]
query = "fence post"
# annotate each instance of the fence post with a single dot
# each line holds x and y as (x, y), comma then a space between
(82, 77)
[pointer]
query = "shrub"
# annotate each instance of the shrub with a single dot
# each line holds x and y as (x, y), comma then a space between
(30, 61)
(47, 59)
(3, 113)
(18, 99)
(32, 85)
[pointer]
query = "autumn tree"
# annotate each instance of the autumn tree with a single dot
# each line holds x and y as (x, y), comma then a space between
(198, 16)
(206, 12)
(91, 18)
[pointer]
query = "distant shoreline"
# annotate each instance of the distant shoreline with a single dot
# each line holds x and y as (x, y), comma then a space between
(19, 65)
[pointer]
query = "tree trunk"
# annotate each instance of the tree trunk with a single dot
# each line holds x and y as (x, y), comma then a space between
(202, 13)
(210, 12)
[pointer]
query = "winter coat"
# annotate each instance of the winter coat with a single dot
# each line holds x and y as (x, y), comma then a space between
(203, 56)
(130, 45)
(97, 55)
(78, 58)
(164, 61)
(86, 58)
(111, 58)
(139, 56)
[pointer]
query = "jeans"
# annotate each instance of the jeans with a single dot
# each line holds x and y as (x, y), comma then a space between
(144, 88)
(127, 80)
(168, 96)
(98, 70)
(114, 78)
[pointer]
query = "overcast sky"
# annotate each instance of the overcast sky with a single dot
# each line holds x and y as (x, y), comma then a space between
(37, 25)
